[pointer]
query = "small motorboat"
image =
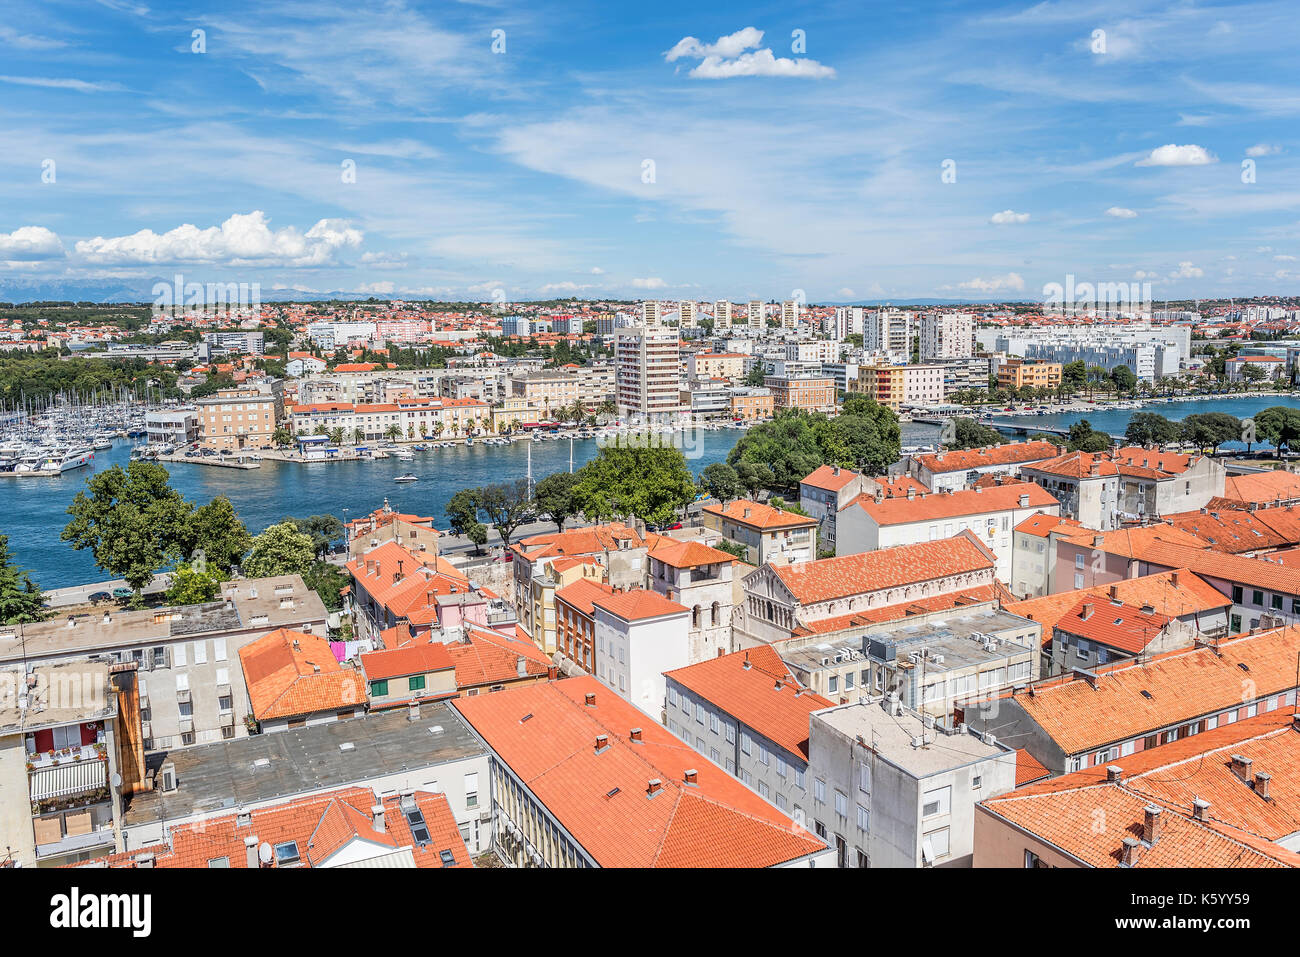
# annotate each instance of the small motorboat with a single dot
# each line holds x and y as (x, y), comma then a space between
(408, 477)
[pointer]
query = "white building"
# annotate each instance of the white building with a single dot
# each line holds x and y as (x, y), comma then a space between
(889, 331)
(721, 315)
(647, 368)
(991, 513)
(947, 335)
(757, 320)
(640, 634)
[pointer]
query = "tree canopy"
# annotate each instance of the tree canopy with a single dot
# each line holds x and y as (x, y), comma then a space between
(20, 598)
(865, 436)
(1148, 427)
(651, 483)
(553, 497)
(280, 550)
(969, 434)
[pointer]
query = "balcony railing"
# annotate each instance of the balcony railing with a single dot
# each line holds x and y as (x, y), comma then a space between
(84, 752)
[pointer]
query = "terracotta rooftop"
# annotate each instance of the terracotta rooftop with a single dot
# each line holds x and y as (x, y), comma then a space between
(416, 658)
(829, 477)
(829, 578)
(755, 515)
(629, 804)
(290, 674)
(939, 505)
(756, 689)
(964, 460)
(637, 604)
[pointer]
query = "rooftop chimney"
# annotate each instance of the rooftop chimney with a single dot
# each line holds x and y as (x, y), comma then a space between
(589, 699)
(602, 742)
(1173, 579)
(250, 851)
(1024, 501)
(747, 511)
(413, 711)
(1241, 767)
(635, 734)
(377, 814)
(521, 666)
(1114, 593)
(1261, 784)
(1150, 824)
(1132, 850)
(653, 787)
(1200, 809)
(911, 493)
(1087, 611)
(689, 776)
(1113, 773)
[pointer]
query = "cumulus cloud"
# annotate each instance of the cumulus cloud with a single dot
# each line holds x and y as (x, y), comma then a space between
(30, 244)
(1120, 212)
(1280, 258)
(1140, 274)
(651, 282)
(737, 54)
(1187, 271)
(566, 286)
(376, 288)
(846, 293)
(1263, 149)
(597, 271)
(1008, 216)
(1173, 155)
(994, 283)
(243, 239)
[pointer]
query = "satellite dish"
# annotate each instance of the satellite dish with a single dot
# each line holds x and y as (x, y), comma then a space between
(264, 853)
(117, 780)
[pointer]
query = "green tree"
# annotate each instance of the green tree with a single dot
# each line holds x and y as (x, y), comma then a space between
(1210, 428)
(1084, 438)
(327, 580)
(969, 434)
(282, 437)
(193, 586)
(1124, 378)
(652, 483)
(721, 481)
(21, 600)
(553, 497)
(217, 535)
(1150, 427)
(755, 376)
(462, 511)
(133, 522)
(507, 506)
(476, 532)
(754, 476)
(734, 548)
(280, 550)
(1074, 375)
(324, 530)
(1280, 425)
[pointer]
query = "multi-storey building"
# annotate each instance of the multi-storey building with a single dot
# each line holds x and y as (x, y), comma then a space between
(947, 335)
(233, 420)
(811, 392)
(757, 314)
(721, 315)
(648, 374)
(705, 580)
(191, 687)
(889, 331)
(1017, 373)
(768, 534)
(752, 403)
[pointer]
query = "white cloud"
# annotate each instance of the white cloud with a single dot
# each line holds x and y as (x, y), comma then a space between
(1187, 271)
(379, 288)
(994, 283)
(652, 282)
(566, 286)
(1263, 149)
(1141, 274)
(1008, 216)
(63, 83)
(1284, 259)
(845, 293)
(1173, 155)
(1120, 212)
(733, 44)
(30, 244)
(28, 41)
(244, 238)
(727, 58)
(597, 271)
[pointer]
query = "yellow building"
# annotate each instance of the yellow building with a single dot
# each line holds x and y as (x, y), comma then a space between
(1016, 373)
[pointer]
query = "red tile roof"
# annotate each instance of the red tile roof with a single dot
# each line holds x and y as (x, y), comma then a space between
(602, 799)
(765, 695)
(925, 508)
(755, 515)
(579, 541)
(830, 478)
(320, 824)
(1262, 486)
(963, 460)
(637, 604)
(688, 554)
(958, 599)
(582, 593)
(487, 657)
(416, 658)
(289, 674)
(1179, 686)
(1042, 525)
(1114, 625)
(828, 578)
(1028, 768)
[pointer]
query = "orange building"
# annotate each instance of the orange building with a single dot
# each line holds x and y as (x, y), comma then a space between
(750, 404)
(1015, 373)
(814, 393)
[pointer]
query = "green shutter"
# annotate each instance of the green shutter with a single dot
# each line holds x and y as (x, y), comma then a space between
(417, 683)
(378, 689)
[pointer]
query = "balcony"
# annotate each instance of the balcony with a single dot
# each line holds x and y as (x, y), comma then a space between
(64, 756)
(70, 778)
(71, 831)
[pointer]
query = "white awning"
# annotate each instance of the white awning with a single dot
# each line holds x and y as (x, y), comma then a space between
(74, 777)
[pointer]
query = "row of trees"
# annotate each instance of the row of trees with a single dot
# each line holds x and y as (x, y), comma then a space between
(1278, 425)
(865, 436)
(135, 524)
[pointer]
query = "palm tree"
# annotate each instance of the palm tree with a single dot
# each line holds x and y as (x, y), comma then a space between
(393, 433)
(358, 436)
(336, 435)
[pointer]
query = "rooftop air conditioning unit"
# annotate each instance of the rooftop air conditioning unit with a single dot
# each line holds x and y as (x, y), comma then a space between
(167, 776)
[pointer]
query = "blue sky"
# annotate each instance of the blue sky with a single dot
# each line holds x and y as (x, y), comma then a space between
(778, 164)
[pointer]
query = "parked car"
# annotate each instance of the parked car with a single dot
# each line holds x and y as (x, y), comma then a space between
(99, 596)
(122, 592)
